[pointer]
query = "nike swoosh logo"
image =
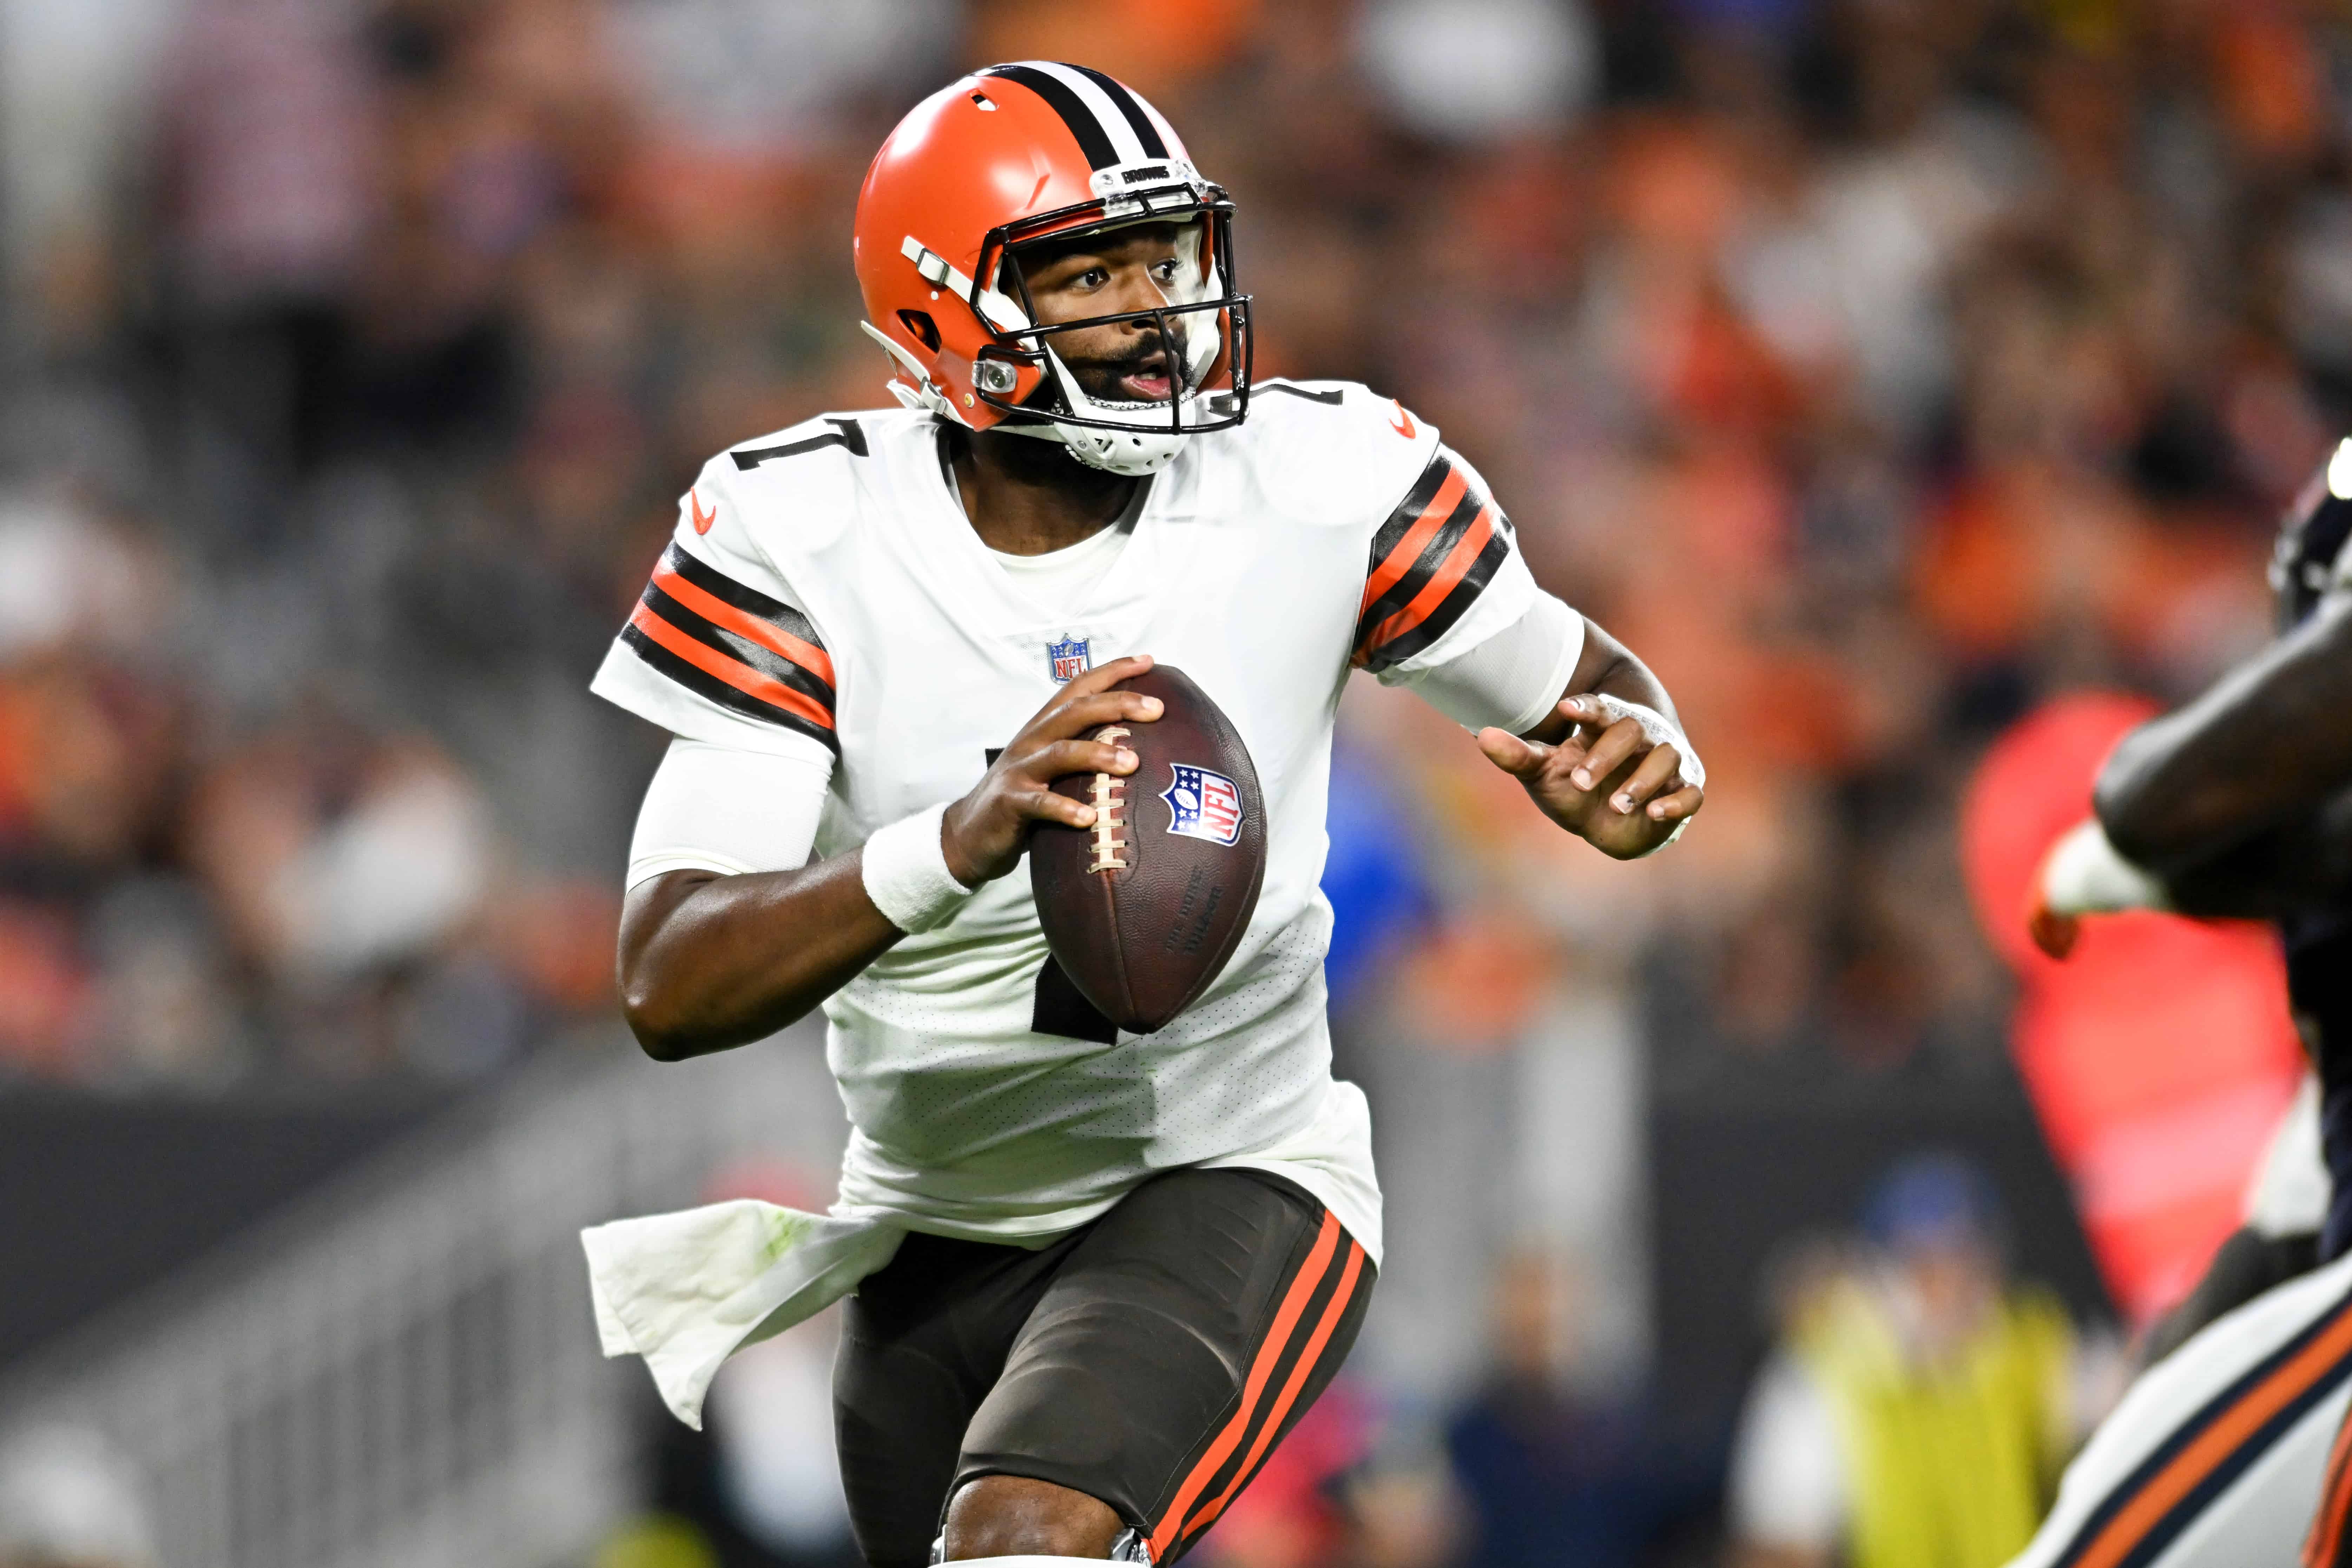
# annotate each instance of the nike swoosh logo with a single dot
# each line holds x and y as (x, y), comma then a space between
(702, 520)
(1403, 423)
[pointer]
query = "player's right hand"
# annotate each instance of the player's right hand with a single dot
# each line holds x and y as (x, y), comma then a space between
(983, 834)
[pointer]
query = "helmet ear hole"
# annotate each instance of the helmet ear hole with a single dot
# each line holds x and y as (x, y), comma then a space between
(920, 324)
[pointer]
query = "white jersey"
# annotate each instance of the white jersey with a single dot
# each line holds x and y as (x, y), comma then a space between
(825, 598)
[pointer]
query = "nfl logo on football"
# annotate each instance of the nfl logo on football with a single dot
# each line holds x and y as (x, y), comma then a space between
(1066, 658)
(1202, 805)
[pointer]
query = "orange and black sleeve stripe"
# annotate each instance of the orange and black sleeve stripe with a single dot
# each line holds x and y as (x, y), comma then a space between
(734, 645)
(1429, 561)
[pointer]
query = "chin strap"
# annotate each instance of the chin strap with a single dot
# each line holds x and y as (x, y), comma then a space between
(1153, 447)
(925, 393)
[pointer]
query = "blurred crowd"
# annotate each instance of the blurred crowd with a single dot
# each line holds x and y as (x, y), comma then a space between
(1876, 368)
(1872, 366)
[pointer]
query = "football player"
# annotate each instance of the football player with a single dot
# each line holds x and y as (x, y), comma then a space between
(2240, 804)
(1097, 1275)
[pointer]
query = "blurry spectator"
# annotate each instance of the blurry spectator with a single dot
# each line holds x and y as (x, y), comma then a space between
(773, 77)
(267, 177)
(655, 1542)
(336, 850)
(74, 81)
(354, 870)
(1478, 69)
(1405, 1515)
(67, 577)
(166, 1006)
(1554, 1475)
(68, 1501)
(1918, 1407)
(270, 138)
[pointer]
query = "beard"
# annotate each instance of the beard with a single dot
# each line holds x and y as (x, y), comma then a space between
(1155, 370)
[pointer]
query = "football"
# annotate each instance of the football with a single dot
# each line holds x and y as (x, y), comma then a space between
(1143, 909)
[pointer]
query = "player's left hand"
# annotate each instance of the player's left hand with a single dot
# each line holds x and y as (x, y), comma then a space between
(1608, 783)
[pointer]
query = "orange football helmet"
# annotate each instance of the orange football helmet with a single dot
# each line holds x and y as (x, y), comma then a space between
(999, 161)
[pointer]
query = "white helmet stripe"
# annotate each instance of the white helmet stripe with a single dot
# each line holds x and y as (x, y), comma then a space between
(1149, 128)
(1113, 119)
(1175, 143)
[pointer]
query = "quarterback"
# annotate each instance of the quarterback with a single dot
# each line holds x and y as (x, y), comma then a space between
(1091, 1278)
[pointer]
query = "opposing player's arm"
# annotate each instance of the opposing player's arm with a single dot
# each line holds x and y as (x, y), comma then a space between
(2256, 755)
(2297, 865)
(2236, 805)
(709, 960)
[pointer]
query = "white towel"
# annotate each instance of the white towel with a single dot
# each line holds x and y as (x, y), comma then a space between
(686, 1290)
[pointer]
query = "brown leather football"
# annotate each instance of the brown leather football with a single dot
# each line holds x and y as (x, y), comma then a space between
(1143, 909)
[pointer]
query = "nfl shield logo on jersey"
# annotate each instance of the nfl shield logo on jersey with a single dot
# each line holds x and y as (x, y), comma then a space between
(1202, 805)
(1067, 658)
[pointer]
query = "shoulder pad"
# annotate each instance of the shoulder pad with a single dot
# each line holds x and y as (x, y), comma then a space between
(1354, 450)
(720, 647)
(794, 490)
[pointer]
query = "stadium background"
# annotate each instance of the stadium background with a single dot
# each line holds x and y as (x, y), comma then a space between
(1879, 369)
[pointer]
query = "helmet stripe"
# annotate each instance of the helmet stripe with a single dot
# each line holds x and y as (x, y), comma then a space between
(1146, 133)
(1115, 125)
(1093, 137)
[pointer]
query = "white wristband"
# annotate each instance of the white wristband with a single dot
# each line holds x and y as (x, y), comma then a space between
(2085, 874)
(1659, 730)
(906, 876)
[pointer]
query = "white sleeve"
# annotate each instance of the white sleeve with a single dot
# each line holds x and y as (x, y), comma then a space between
(718, 648)
(1787, 1479)
(724, 809)
(1512, 679)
